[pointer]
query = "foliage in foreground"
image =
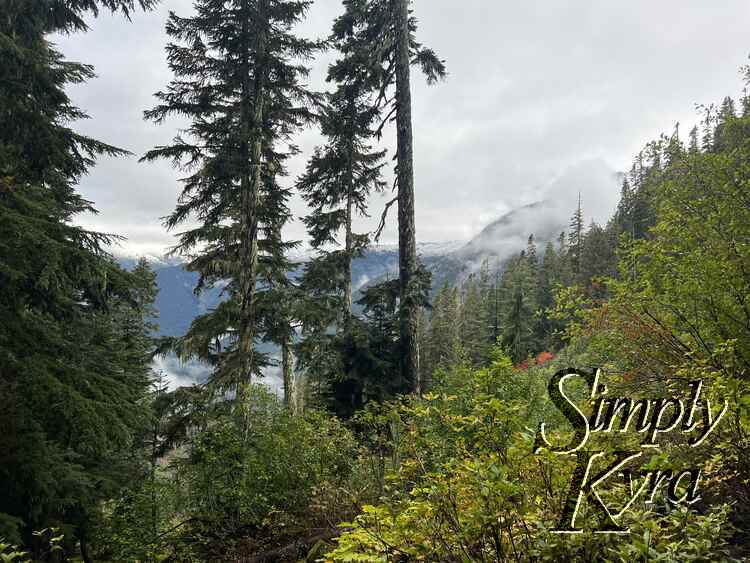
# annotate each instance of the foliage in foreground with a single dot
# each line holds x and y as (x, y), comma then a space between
(469, 488)
(239, 483)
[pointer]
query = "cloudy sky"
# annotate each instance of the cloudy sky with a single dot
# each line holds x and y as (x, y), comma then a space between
(542, 97)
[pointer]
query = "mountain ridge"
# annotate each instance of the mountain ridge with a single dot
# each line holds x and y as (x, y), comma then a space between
(450, 262)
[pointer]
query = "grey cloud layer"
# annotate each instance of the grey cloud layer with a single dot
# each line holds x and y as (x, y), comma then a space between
(535, 89)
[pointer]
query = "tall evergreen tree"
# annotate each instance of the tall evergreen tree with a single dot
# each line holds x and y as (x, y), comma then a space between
(71, 377)
(474, 322)
(643, 178)
(563, 271)
(693, 142)
(531, 257)
(727, 111)
(547, 278)
(238, 85)
(517, 329)
(598, 256)
(341, 175)
(518, 306)
(494, 308)
(575, 240)
(388, 33)
(624, 215)
(337, 183)
(442, 346)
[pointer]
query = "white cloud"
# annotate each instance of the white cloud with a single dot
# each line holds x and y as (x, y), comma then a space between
(535, 88)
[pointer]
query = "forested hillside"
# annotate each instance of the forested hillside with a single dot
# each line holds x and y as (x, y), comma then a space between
(421, 414)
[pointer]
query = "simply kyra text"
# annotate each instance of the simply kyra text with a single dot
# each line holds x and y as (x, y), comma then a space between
(693, 417)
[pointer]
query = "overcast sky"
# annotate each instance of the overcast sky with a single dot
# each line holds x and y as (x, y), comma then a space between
(539, 94)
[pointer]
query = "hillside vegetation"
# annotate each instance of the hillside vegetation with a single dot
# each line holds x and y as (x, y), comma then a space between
(409, 424)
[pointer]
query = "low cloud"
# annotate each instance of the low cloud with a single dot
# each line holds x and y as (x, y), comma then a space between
(178, 373)
(549, 211)
(535, 88)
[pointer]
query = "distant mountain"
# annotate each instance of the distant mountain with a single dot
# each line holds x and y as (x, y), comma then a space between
(498, 241)
(451, 262)
(177, 302)
(509, 234)
(178, 305)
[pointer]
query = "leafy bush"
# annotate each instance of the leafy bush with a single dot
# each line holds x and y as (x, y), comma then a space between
(245, 483)
(468, 487)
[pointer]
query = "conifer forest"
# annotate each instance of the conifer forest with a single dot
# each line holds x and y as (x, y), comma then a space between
(578, 391)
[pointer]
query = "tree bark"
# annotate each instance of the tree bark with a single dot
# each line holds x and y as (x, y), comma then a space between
(407, 245)
(348, 268)
(250, 184)
(85, 553)
(287, 371)
(349, 242)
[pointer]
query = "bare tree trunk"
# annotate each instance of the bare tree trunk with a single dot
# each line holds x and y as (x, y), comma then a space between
(348, 267)
(407, 245)
(154, 465)
(85, 553)
(287, 371)
(250, 185)
(349, 209)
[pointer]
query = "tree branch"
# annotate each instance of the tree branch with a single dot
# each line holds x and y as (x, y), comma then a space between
(383, 217)
(290, 549)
